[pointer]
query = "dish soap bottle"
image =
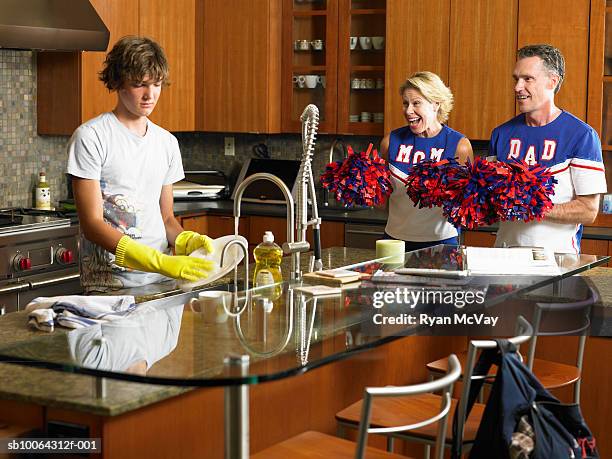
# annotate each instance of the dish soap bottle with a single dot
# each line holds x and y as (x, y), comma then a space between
(43, 194)
(268, 256)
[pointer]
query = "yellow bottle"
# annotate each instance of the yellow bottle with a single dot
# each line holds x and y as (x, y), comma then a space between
(268, 256)
(43, 193)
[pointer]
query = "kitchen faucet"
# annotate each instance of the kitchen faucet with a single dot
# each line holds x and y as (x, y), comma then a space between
(289, 247)
(305, 179)
(306, 187)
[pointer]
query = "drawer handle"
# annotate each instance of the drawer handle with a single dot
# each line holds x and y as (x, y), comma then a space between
(55, 280)
(14, 288)
(373, 233)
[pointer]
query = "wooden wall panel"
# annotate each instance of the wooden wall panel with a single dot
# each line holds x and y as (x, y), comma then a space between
(564, 24)
(58, 101)
(417, 38)
(482, 56)
(596, 64)
(241, 71)
(172, 25)
(121, 19)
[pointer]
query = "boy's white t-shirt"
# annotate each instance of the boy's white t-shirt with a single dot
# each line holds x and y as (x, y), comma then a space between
(131, 170)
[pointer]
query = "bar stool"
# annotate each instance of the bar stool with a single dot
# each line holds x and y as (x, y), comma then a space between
(385, 413)
(552, 375)
(315, 444)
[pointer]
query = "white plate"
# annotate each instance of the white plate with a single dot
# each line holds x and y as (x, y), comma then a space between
(233, 257)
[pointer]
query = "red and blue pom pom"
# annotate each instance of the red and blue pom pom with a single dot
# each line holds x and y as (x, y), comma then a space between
(362, 179)
(483, 192)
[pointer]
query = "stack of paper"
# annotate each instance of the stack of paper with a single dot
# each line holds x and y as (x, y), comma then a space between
(514, 261)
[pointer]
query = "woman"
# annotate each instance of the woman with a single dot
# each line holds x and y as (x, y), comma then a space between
(427, 103)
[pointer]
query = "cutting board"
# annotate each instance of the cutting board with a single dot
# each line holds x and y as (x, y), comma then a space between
(314, 278)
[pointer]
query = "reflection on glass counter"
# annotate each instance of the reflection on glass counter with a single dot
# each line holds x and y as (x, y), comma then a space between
(184, 340)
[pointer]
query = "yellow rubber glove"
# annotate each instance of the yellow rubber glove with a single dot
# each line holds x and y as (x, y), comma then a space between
(132, 254)
(188, 241)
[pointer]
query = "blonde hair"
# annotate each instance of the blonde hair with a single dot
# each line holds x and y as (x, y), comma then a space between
(433, 89)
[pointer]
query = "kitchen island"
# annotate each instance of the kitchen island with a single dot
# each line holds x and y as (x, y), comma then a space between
(159, 418)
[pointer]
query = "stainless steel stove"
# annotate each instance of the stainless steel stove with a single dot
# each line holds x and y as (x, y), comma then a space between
(38, 256)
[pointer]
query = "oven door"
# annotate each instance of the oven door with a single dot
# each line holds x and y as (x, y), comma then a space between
(63, 282)
(9, 295)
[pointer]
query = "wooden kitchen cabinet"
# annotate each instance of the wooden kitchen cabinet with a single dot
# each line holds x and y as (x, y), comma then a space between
(70, 93)
(361, 19)
(214, 226)
(238, 64)
(599, 107)
(172, 25)
(481, 61)
(565, 25)
(349, 78)
(417, 39)
(470, 44)
(594, 247)
(303, 23)
(479, 238)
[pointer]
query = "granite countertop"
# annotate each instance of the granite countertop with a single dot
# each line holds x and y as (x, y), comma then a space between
(76, 392)
(376, 216)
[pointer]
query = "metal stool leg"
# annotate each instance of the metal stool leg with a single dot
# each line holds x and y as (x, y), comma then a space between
(237, 412)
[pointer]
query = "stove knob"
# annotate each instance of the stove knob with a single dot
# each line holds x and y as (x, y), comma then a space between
(64, 256)
(22, 263)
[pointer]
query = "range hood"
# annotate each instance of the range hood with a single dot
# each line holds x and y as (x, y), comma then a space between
(62, 25)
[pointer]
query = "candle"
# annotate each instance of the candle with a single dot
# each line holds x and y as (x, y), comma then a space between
(391, 248)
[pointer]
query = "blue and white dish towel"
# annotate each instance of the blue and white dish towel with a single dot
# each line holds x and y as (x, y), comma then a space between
(77, 311)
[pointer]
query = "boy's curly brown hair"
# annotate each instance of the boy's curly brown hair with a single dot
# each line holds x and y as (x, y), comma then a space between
(133, 59)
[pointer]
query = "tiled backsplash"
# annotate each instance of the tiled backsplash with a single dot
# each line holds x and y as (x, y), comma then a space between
(206, 151)
(23, 153)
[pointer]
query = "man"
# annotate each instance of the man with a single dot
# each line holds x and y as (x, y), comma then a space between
(547, 135)
(123, 167)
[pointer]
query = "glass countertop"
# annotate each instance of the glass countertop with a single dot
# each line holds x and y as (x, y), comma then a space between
(183, 341)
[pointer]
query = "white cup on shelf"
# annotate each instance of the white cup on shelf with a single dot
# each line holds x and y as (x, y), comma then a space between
(353, 42)
(365, 42)
(378, 42)
(299, 80)
(317, 45)
(312, 80)
(366, 117)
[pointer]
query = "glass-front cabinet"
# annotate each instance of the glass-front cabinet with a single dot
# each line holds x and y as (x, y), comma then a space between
(606, 130)
(310, 62)
(334, 57)
(361, 79)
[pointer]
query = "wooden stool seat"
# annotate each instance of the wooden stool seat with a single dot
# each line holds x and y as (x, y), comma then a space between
(552, 375)
(312, 445)
(410, 410)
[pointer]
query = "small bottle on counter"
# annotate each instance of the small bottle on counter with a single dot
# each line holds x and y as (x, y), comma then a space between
(43, 193)
(268, 256)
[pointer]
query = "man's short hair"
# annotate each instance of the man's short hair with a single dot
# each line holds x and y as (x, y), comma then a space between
(552, 58)
(133, 59)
